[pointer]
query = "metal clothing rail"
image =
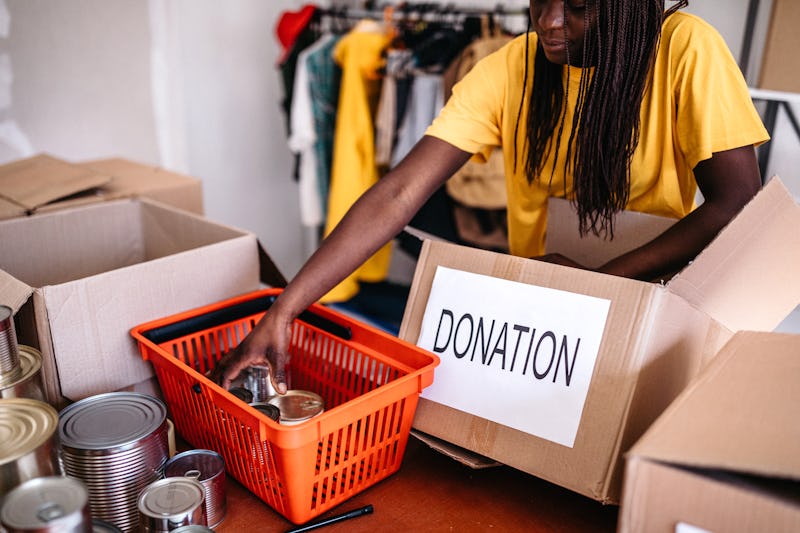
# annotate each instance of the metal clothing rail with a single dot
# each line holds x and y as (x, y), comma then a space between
(420, 11)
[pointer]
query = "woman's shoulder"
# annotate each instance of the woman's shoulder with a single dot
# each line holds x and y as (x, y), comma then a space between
(687, 30)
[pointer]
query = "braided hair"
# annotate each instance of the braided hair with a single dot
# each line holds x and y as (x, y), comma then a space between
(605, 126)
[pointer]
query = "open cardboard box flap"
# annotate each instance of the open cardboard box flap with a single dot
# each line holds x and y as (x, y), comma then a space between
(747, 278)
(739, 415)
(656, 338)
(723, 456)
(39, 180)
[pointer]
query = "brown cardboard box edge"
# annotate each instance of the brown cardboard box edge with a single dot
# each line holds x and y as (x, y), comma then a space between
(44, 183)
(731, 437)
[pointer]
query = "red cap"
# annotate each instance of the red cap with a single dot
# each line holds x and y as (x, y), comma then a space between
(291, 24)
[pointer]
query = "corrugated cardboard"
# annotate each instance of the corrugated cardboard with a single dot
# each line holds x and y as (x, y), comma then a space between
(130, 179)
(36, 182)
(725, 456)
(80, 278)
(44, 183)
(657, 337)
(780, 48)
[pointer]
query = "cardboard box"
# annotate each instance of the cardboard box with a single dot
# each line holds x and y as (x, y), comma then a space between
(79, 279)
(724, 456)
(43, 183)
(655, 339)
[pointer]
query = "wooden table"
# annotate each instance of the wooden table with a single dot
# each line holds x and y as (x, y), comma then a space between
(432, 492)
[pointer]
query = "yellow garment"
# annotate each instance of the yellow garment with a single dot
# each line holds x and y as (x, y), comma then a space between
(697, 103)
(353, 168)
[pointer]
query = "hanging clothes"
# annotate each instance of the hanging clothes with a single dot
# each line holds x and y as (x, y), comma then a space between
(359, 54)
(324, 79)
(308, 113)
(295, 31)
(420, 98)
(391, 104)
(478, 189)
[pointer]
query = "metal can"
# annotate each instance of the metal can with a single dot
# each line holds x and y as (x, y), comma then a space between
(9, 358)
(297, 406)
(57, 504)
(242, 393)
(26, 382)
(207, 467)
(169, 503)
(258, 382)
(272, 411)
(116, 443)
(28, 442)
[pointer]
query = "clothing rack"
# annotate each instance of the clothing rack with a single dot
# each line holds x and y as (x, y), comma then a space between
(424, 11)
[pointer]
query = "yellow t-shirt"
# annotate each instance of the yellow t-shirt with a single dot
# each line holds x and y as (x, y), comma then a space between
(696, 104)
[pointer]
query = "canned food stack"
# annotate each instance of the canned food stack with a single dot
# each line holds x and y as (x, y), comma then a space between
(116, 444)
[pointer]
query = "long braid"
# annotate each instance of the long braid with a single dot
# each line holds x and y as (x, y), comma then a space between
(605, 128)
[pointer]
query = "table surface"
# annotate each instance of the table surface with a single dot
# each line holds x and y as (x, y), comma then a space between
(432, 492)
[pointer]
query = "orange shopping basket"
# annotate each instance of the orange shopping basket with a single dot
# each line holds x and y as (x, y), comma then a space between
(370, 383)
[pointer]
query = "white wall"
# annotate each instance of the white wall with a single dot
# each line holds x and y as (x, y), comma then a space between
(187, 84)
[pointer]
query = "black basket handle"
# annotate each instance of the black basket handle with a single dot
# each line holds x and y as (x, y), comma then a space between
(237, 312)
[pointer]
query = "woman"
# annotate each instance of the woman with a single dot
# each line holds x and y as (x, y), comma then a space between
(614, 104)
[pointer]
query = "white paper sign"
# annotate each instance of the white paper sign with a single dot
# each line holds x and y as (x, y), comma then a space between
(688, 528)
(516, 354)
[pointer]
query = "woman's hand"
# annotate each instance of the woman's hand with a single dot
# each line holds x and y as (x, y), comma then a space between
(266, 345)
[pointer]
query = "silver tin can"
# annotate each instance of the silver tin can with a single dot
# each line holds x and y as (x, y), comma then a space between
(28, 442)
(116, 443)
(171, 502)
(27, 381)
(9, 357)
(207, 467)
(56, 504)
(193, 529)
(257, 381)
(297, 406)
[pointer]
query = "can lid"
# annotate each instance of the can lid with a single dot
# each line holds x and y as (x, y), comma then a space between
(110, 422)
(25, 424)
(171, 497)
(242, 393)
(272, 411)
(200, 464)
(297, 405)
(44, 502)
